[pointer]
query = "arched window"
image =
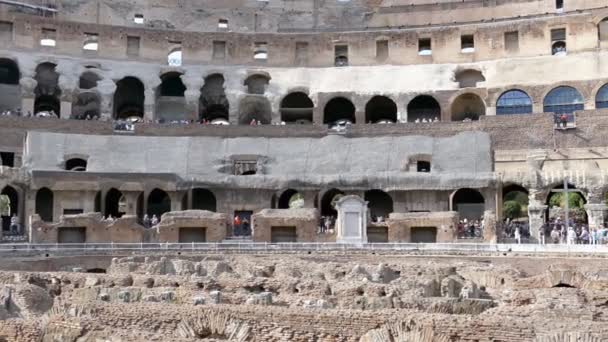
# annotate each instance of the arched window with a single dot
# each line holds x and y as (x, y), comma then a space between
(380, 204)
(174, 58)
(213, 103)
(9, 206)
(514, 102)
(602, 29)
(129, 99)
(297, 108)
(115, 203)
(423, 107)
(563, 100)
(256, 84)
(47, 90)
(255, 108)
(328, 202)
(88, 80)
(158, 203)
(170, 101)
(339, 109)
(76, 164)
(601, 99)
(467, 107)
(291, 199)
(380, 109)
(203, 199)
(9, 72)
(469, 203)
(45, 204)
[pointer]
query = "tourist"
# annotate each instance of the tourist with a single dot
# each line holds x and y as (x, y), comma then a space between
(555, 235)
(245, 226)
(15, 228)
(584, 238)
(252, 122)
(541, 234)
(563, 120)
(146, 221)
(154, 221)
(517, 235)
(436, 119)
(236, 227)
(571, 237)
(593, 236)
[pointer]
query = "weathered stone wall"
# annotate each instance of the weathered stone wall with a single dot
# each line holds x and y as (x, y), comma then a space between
(305, 222)
(401, 224)
(215, 225)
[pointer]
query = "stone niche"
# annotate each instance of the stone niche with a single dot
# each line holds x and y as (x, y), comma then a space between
(89, 228)
(192, 226)
(423, 227)
(351, 226)
(285, 225)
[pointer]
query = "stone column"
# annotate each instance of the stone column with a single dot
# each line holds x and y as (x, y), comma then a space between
(192, 95)
(536, 217)
(149, 104)
(131, 199)
(67, 86)
(595, 213)
(176, 200)
(28, 85)
(106, 88)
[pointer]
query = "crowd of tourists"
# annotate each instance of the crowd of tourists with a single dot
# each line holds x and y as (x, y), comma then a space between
(470, 229)
(327, 225)
(424, 120)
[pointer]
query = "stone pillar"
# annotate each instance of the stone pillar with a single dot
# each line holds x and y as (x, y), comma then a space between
(131, 199)
(595, 213)
(106, 88)
(67, 86)
(176, 200)
(149, 104)
(536, 217)
(28, 85)
(490, 233)
(233, 110)
(192, 95)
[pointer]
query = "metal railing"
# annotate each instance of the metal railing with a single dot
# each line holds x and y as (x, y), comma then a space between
(302, 247)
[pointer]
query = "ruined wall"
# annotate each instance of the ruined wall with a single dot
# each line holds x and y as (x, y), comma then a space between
(305, 222)
(214, 224)
(400, 225)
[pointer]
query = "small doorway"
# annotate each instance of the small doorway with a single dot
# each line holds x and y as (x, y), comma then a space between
(377, 234)
(72, 235)
(192, 234)
(242, 223)
(424, 234)
(283, 234)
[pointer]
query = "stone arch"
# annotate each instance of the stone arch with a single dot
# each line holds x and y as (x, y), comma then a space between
(469, 203)
(88, 80)
(514, 101)
(468, 106)
(87, 106)
(337, 109)
(515, 193)
(10, 206)
(45, 204)
(257, 83)
(328, 200)
(423, 107)
(203, 199)
(468, 78)
(579, 197)
(255, 108)
(10, 90)
(380, 203)
(170, 100)
(115, 203)
(47, 89)
(380, 109)
(215, 325)
(297, 107)
(213, 103)
(601, 97)
(159, 203)
(602, 30)
(76, 164)
(563, 100)
(290, 199)
(129, 98)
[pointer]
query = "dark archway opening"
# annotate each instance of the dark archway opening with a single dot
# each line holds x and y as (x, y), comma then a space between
(380, 204)
(213, 103)
(113, 204)
(381, 109)
(423, 107)
(564, 285)
(9, 206)
(76, 164)
(297, 108)
(9, 72)
(87, 107)
(170, 100)
(328, 202)
(88, 80)
(255, 109)
(159, 203)
(290, 199)
(203, 199)
(47, 90)
(469, 203)
(339, 109)
(44, 204)
(10, 91)
(129, 99)
(256, 84)
(468, 107)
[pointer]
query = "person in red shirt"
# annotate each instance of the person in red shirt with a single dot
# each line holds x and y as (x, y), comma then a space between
(236, 225)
